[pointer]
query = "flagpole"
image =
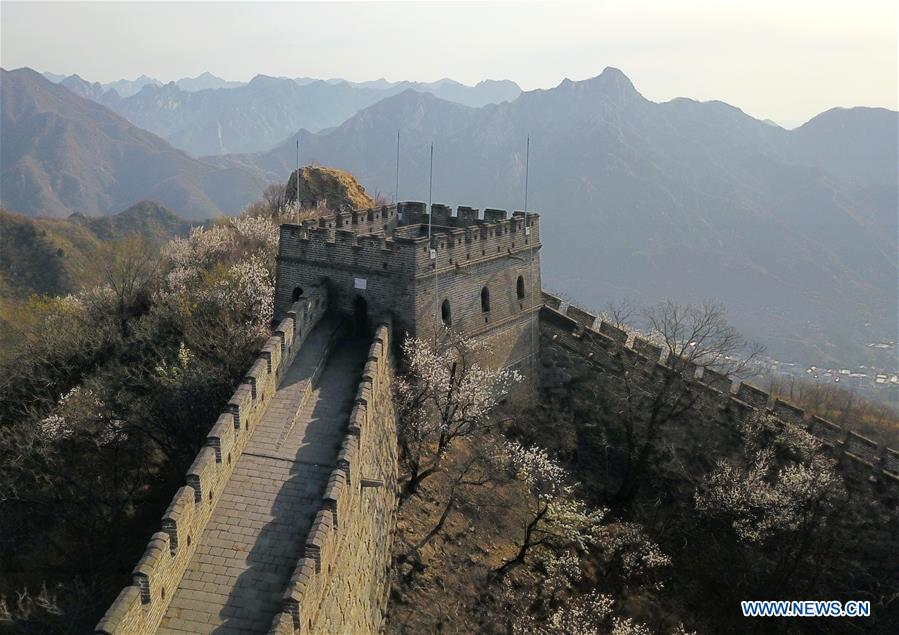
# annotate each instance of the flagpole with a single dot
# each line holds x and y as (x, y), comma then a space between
(431, 245)
(298, 174)
(396, 190)
(527, 166)
(430, 192)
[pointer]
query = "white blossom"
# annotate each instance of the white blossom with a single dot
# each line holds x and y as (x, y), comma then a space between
(627, 626)
(249, 291)
(54, 427)
(229, 266)
(80, 411)
(535, 466)
(173, 373)
(629, 543)
(201, 247)
(257, 229)
(763, 496)
(445, 392)
(582, 615)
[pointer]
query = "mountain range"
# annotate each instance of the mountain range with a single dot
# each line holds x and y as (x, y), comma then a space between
(208, 115)
(61, 153)
(793, 230)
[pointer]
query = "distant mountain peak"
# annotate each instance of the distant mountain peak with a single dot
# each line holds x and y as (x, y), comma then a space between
(613, 71)
(263, 79)
(205, 81)
(414, 97)
(612, 77)
(611, 87)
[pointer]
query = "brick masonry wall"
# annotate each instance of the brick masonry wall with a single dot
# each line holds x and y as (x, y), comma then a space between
(344, 262)
(572, 353)
(341, 583)
(395, 274)
(140, 606)
(377, 219)
(510, 326)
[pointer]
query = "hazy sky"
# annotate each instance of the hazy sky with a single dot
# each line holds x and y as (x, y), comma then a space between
(780, 59)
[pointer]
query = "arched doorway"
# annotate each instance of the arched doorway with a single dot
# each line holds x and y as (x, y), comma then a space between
(445, 314)
(360, 315)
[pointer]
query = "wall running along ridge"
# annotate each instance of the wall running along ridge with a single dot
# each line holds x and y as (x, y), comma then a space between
(140, 606)
(570, 337)
(341, 583)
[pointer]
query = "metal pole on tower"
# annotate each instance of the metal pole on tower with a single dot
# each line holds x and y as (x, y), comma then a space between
(431, 246)
(297, 182)
(430, 192)
(396, 190)
(430, 186)
(527, 166)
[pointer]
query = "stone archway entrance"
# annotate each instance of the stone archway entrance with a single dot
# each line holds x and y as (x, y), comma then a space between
(360, 315)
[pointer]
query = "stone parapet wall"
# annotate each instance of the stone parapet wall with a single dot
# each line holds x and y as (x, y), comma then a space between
(721, 397)
(458, 246)
(340, 584)
(484, 276)
(385, 249)
(140, 606)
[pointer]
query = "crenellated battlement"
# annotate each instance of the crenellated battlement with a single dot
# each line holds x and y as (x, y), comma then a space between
(595, 340)
(322, 508)
(459, 245)
(478, 272)
(395, 238)
(140, 607)
(356, 511)
(416, 213)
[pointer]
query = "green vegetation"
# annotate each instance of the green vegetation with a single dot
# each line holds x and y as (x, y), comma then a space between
(618, 503)
(106, 402)
(108, 392)
(153, 222)
(54, 257)
(607, 505)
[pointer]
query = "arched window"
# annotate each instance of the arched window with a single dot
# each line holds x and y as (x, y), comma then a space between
(519, 287)
(297, 294)
(485, 300)
(445, 314)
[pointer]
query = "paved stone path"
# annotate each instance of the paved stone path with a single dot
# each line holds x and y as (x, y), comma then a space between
(243, 562)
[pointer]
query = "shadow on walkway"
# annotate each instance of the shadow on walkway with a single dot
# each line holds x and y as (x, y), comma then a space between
(294, 489)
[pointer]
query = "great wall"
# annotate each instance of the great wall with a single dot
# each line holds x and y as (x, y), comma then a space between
(285, 522)
(589, 342)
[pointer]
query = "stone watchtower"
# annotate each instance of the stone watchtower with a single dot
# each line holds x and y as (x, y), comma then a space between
(478, 275)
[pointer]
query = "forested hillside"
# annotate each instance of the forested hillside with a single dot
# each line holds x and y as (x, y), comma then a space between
(111, 383)
(55, 257)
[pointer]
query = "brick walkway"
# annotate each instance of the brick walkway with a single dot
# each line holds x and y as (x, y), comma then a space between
(255, 536)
